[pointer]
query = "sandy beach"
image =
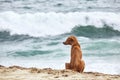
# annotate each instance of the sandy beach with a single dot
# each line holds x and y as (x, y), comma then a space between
(21, 73)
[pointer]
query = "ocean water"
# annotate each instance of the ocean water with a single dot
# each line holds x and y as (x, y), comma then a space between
(32, 32)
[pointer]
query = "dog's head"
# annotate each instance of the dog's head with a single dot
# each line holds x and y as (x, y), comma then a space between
(70, 41)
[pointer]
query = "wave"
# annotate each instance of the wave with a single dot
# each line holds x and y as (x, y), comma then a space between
(5, 36)
(52, 23)
(30, 53)
(92, 32)
(89, 31)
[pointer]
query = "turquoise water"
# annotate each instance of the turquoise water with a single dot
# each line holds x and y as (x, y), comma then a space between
(101, 55)
(32, 33)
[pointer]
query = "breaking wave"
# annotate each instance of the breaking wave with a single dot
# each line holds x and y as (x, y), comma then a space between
(94, 32)
(52, 23)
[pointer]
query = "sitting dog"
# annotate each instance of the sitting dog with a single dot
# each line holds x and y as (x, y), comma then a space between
(76, 62)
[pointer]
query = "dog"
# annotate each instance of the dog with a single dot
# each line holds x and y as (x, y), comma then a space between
(76, 62)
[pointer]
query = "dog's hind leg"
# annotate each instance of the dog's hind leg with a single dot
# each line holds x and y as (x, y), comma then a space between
(82, 66)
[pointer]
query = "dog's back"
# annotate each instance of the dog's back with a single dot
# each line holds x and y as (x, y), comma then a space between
(76, 54)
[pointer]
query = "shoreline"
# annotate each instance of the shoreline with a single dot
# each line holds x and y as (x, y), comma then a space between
(22, 73)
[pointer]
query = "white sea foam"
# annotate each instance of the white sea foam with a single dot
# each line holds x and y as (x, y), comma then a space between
(97, 58)
(42, 24)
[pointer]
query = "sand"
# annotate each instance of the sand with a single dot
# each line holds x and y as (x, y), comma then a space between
(21, 73)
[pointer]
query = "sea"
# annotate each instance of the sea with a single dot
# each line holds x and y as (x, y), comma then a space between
(32, 33)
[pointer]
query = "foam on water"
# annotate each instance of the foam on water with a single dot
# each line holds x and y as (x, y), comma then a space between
(100, 55)
(59, 5)
(43, 24)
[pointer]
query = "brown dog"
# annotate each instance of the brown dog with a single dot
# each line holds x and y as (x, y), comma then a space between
(76, 62)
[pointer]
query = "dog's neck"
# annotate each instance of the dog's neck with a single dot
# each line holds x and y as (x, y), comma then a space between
(76, 44)
(73, 46)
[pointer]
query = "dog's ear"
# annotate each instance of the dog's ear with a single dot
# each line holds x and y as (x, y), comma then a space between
(71, 40)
